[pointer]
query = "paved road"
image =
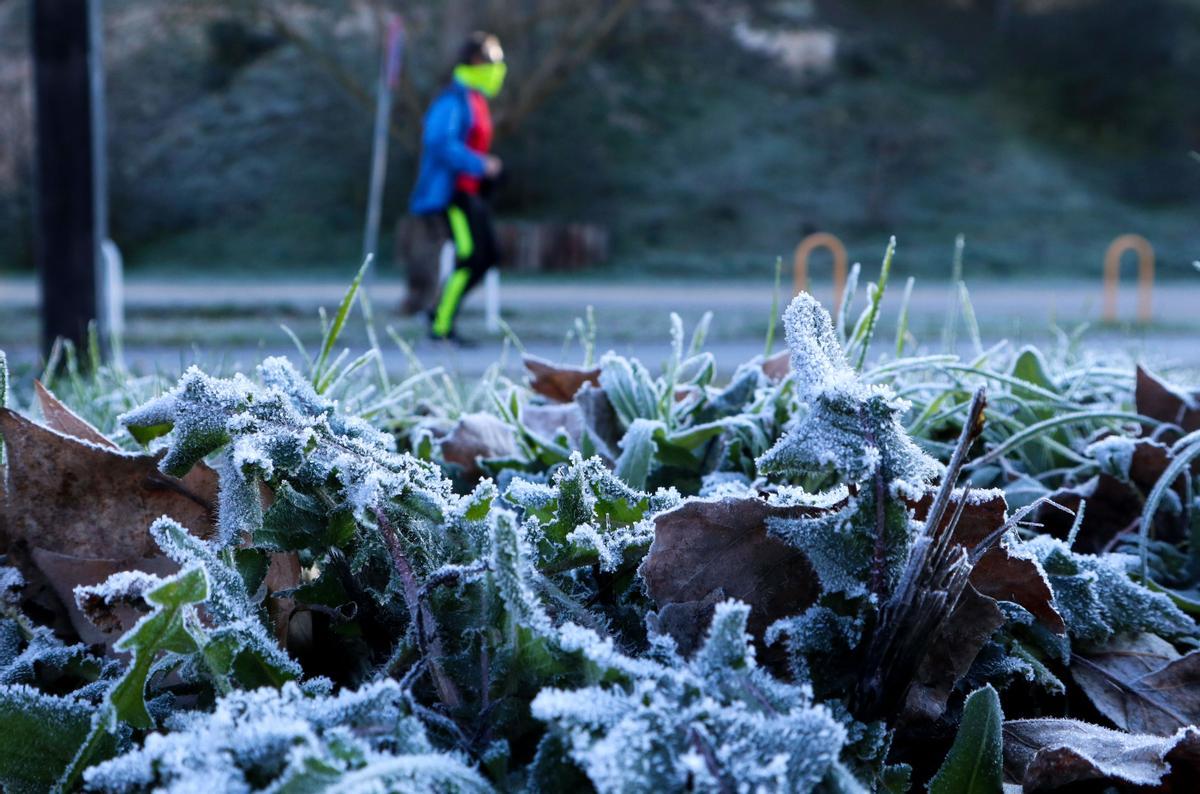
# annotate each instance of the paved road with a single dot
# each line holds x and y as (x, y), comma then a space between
(238, 321)
(1037, 300)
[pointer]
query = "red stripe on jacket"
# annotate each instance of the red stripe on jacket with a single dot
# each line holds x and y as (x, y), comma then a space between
(479, 137)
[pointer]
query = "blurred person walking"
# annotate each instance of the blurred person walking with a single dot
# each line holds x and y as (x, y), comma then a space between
(457, 172)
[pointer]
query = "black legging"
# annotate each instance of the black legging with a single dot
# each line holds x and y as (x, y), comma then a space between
(469, 219)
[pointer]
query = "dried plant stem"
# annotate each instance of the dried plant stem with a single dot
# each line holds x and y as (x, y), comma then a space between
(929, 589)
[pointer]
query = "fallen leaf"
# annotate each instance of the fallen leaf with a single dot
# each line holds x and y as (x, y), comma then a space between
(1133, 656)
(1113, 507)
(73, 497)
(1047, 754)
(1001, 573)
(599, 416)
(545, 421)
(90, 506)
(65, 572)
(558, 383)
(1150, 460)
(707, 545)
(283, 573)
(685, 622)
(949, 655)
(778, 366)
(61, 418)
(1141, 684)
(1154, 397)
(477, 436)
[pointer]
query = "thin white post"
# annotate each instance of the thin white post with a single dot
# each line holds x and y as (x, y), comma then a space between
(112, 294)
(491, 298)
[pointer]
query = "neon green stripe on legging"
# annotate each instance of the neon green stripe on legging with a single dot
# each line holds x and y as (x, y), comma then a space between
(456, 285)
(464, 244)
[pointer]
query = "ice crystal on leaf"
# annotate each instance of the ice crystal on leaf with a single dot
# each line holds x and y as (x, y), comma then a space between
(285, 740)
(282, 433)
(849, 437)
(1113, 455)
(514, 573)
(1097, 597)
(715, 723)
(587, 513)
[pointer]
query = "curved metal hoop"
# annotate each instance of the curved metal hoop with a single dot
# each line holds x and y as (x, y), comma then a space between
(800, 265)
(1112, 273)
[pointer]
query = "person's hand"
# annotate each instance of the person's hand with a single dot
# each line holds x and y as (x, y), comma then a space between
(492, 166)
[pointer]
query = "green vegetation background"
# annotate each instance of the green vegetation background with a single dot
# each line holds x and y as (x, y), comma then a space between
(1039, 129)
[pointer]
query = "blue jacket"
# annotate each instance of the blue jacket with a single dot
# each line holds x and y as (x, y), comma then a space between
(444, 151)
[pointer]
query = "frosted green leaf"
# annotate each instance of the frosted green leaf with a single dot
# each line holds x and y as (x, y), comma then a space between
(39, 735)
(716, 723)
(288, 740)
(850, 437)
(170, 627)
(1097, 598)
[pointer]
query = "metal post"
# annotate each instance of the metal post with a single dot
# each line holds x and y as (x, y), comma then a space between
(71, 217)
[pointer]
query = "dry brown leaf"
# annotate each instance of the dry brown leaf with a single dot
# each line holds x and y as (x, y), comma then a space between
(687, 622)
(75, 509)
(1112, 507)
(950, 654)
(1154, 397)
(1048, 754)
(999, 574)
(600, 417)
(704, 546)
(81, 499)
(558, 383)
(778, 366)
(64, 573)
(1150, 460)
(283, 573)
(475, 437)
(61, 418)
(544, 421)
(1141, 684)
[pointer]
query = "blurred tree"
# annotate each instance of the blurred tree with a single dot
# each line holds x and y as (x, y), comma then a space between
(547, 40)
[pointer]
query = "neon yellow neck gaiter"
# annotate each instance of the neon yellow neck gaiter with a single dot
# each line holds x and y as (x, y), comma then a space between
(486, 78)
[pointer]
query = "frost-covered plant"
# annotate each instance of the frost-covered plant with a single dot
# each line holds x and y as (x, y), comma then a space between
(292, 739)
(1098, 599)
(849, 439)
(229, 649)
(588, 514)
(666, 429)
(716, 722)
(280, 431)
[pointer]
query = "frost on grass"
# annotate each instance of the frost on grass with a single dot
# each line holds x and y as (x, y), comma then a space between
(714, 723)
(850, 437)
(1097, 597)
(288, 740)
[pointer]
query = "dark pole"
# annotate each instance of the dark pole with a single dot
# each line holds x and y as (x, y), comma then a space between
(70, 217)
